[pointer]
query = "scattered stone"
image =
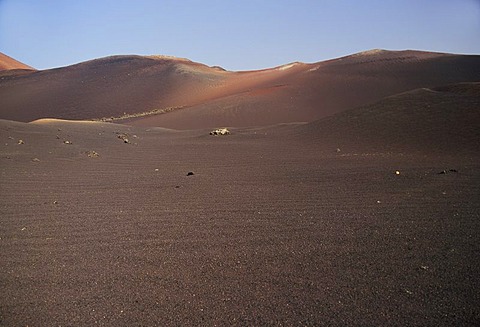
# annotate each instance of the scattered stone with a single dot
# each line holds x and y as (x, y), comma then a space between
(448, 171)
(220, 131)
(156, 169)
(10, 138)
(20, 142)
(55, 202)
(35, 160)
(177, 186)
(190, 173)
(24, 228)
(397, 172)
(92, 154)
(424, 267)
(338, 150)
(57, 137)
(123, 137)
(67, 142)
(379, 201)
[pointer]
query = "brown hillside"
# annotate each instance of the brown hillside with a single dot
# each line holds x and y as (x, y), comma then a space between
(105, 87)
(191, 95)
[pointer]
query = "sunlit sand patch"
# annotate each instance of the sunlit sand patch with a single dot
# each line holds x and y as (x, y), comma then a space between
(53, 121)
(285, 67)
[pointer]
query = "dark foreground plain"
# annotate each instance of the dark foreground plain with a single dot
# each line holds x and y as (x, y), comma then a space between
(276, 226)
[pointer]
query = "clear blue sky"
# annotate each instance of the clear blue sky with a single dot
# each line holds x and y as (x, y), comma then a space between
(234, 34)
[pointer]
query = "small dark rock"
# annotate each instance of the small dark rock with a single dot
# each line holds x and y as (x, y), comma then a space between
(448, 171)
(123, 137)
(190, 173)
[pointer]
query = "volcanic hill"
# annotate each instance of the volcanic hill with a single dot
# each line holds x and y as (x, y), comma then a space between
(178, 93)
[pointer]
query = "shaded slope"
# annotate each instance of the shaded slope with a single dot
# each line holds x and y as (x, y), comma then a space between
(440, 120)
(104, 87)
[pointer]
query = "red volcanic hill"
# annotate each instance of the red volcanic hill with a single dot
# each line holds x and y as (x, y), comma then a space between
(178, 93)
(8, 63)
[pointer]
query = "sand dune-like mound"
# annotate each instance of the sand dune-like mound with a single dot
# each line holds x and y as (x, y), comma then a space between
(105, 87)
(178, 93)
(428, 120)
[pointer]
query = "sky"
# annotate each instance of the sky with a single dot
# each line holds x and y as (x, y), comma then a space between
(234, 34)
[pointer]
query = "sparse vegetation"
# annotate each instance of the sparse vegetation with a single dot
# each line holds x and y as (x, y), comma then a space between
(138, 115)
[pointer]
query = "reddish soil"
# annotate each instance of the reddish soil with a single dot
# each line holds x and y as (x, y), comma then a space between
(8, 63)
(275, 227)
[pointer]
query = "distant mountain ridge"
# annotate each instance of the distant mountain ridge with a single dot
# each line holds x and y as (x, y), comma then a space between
(178, 93)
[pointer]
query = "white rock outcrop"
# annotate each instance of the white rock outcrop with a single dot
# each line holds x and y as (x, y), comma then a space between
(220, 131)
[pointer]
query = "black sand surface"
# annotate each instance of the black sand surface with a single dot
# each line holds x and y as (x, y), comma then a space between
(276, 227)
